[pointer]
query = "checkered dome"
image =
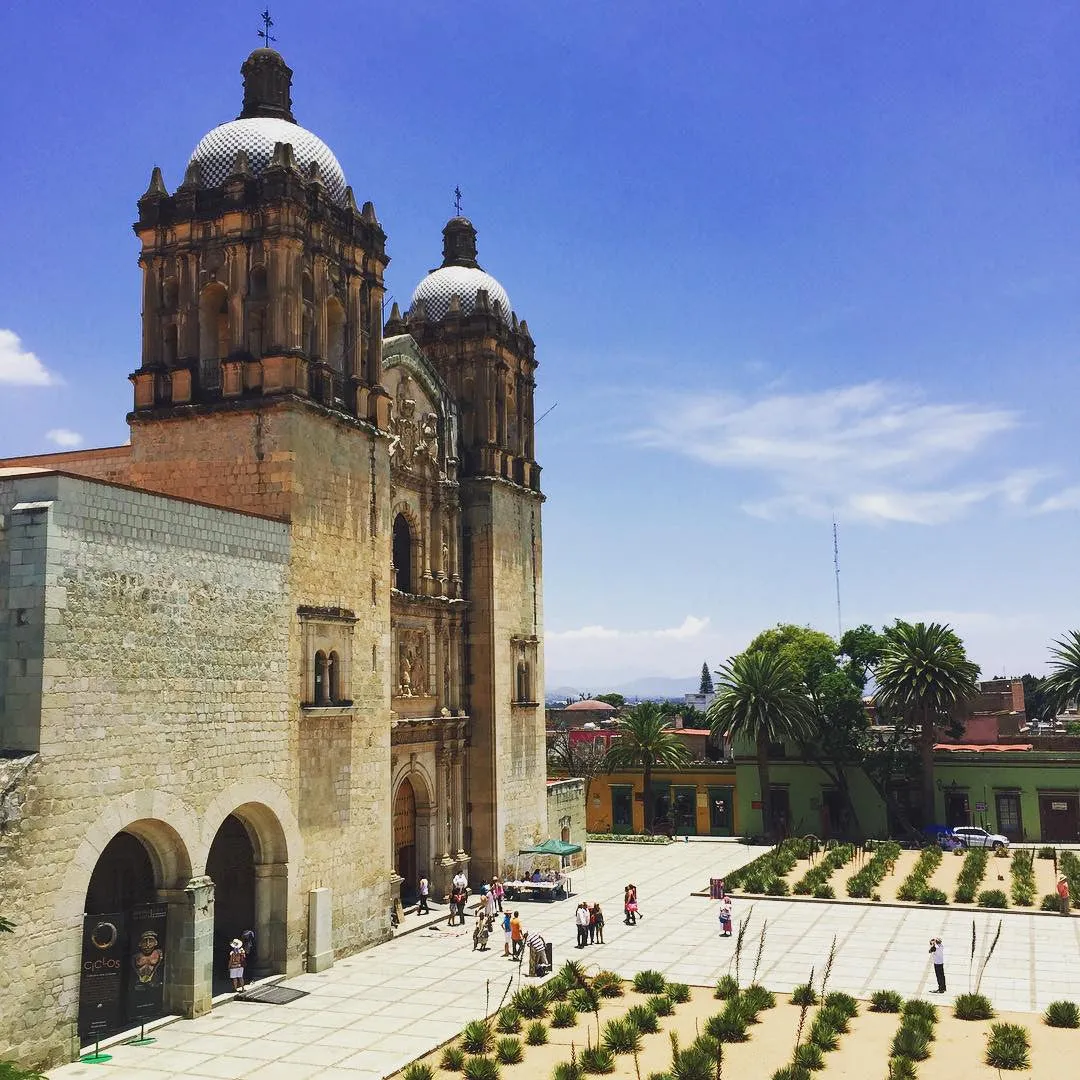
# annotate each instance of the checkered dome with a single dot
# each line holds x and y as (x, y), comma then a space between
(437, 288)
(257, 135)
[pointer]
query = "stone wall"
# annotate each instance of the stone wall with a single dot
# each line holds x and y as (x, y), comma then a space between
(566, 809)
(159, 705)
(110, 463)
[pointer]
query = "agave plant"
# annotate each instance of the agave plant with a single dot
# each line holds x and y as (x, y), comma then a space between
(678, 992)
(1008, 1047)
(728, 1026)
(418, 1070)
(649, 982)
(597, 1059)
(804, 994)
(453, 1059)
(621, 1037)
(758, 998)
(842, 1002)
(886, 1001)
(973, 1007)
(809, 1056)
(530, 1002)
(508, 1021)
(608, 984)
(661, 1004)
(477, 1037)
(726, 987)
(536, 1034)
(481, 1067)
(568, 1070)
(509, 1050)
(643, 1018)
(910, 1042)
(563, 1015)
(1062, 1014)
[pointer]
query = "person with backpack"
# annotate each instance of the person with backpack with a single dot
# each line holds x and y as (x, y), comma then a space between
(237, 958)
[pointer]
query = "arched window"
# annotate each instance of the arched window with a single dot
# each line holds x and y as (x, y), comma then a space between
(321, 689)
(402, 554)
(565, 834)
(333, 677)
(335, 334)
(214, 322)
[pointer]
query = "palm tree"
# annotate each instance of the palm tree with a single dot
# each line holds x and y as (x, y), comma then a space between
(1062, 685)
(924, 675)
(760, 696)
(645, 738)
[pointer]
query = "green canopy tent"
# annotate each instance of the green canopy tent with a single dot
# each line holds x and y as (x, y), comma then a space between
(552, 847)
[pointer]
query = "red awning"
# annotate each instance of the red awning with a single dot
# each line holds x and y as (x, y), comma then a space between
(983, 748)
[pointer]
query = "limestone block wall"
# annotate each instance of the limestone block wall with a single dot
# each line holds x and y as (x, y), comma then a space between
(566, 809)
(110, 463)
(507, 770)
(163, 707)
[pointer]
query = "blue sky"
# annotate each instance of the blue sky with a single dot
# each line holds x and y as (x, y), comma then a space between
(781, 261)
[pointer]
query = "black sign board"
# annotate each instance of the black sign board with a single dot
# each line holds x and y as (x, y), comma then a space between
(146, 962)
(102, 983)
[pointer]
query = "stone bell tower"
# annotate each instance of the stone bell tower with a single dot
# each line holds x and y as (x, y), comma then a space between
(261, 277)
(463, 321)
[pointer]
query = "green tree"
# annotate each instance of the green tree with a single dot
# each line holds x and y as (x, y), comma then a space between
(924, 677)
(1062, 685)
(1037, 702)
(644, 739)
(761, 697)
(706, 685)
(617, 701)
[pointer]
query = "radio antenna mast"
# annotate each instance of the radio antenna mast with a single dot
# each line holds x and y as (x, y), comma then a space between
(836, 568)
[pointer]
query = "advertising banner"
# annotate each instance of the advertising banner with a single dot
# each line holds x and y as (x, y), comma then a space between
(146, 962)
(101, 985)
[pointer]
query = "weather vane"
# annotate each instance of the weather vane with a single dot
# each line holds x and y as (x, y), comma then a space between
(264, 33)
(457, 201)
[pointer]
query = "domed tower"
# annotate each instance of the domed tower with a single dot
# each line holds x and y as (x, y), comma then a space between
(260, 274)
(462, 319)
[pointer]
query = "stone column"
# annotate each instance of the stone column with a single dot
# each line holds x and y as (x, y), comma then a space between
(189, 947)
(442, 808)
(458, 789)
(271, 931)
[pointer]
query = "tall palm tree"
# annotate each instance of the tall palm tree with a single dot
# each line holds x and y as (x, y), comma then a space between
(924, 675)
(760, 696)
(1062, 685)
(645, 738)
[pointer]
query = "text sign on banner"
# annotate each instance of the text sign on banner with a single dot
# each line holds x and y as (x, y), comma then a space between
(102, 978)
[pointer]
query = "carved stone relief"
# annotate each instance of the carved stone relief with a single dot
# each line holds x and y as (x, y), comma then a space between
(413, 674)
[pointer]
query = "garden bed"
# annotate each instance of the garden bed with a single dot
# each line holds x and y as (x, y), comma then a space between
(956, 1052)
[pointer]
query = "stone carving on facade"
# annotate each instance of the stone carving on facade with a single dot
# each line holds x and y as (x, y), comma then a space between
(412, 664)
(414, 439)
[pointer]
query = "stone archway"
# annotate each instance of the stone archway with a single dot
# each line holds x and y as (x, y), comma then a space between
(132, 969)
(405, 861)
(248, 861)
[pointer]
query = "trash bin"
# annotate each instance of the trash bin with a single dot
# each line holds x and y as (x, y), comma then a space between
(716, 887)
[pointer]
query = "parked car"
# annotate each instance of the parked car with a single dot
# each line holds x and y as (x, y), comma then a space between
(973, 836)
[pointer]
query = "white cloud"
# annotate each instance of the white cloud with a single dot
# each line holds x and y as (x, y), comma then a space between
(64, 437)
(1067, 499)
(874, 451)
(690, 627)
(20, 366)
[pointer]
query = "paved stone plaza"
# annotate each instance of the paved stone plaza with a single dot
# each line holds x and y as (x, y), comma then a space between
(378, 1010)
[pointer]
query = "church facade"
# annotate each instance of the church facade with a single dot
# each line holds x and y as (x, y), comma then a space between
(281, 654)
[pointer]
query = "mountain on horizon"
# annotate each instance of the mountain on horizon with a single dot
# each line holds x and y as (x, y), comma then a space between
(646, 686)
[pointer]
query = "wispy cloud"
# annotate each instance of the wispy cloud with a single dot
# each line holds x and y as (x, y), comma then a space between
(64, 438)
(690, 627)
(19, 366)
(875, 451)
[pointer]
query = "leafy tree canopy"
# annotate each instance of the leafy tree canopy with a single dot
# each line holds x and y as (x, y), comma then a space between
(615, 700)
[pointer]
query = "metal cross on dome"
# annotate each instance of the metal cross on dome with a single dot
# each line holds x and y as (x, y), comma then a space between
(264, 33)
(457, 201)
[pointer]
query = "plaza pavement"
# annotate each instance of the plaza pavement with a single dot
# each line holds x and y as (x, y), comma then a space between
(373, 1012)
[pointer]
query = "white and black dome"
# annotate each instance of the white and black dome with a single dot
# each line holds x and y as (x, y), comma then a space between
(266, 119)
(460, 275)
(256, 136)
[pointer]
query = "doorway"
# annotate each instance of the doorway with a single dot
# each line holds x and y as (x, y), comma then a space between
(721, 802)
(684, 810)
(405, 837)
(622, 808)
(231, 866)
(780, 800)
(1010, 821)
(1059, 816)
(957, 809)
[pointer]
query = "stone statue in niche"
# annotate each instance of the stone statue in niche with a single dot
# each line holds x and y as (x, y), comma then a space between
(412, 664)
(444, 562)
(429, 438)
(404, 433)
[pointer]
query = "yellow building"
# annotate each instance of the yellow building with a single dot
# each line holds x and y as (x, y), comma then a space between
(696, 801)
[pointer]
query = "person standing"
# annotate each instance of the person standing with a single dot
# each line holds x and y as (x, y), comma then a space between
(1063, 894)
(424, 888)
(247, 939)
(937, 950)
(515, 935)
(598, 924)
(581, 917)
(592, 923)
(725, 918)
(506, 933)
(236, 963)
(499, 891)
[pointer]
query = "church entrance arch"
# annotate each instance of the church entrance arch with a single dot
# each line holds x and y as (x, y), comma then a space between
(248, 864)
(405, 836)
(124, 965)
(231, 866)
